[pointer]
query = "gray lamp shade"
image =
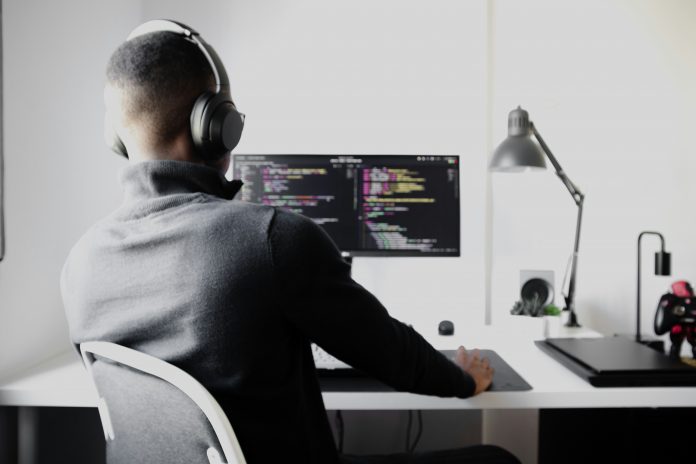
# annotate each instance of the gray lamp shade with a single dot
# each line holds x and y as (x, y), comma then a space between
(518, 152)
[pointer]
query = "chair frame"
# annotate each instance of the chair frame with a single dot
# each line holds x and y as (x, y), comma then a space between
(176, 377)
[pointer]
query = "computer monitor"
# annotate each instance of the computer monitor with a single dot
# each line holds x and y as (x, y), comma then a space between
(370, 205)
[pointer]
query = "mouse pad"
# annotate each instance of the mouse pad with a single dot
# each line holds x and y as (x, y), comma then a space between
(352, 380)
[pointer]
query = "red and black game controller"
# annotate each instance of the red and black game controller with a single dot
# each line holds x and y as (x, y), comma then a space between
(676, 314)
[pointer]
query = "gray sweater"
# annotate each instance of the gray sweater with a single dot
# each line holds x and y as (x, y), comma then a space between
(233, 293)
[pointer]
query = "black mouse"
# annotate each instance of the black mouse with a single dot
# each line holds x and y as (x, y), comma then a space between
(445, 328)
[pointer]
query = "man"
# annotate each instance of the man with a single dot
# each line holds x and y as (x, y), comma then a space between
(231, 292)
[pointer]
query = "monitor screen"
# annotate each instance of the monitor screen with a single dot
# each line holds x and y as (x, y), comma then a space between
(370, 205)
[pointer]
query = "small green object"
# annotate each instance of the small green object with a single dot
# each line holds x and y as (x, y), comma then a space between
(552, 310)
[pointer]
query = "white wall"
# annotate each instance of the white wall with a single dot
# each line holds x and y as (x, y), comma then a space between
(366, 77)
(59, 178)
(610, 86)
(393, 77)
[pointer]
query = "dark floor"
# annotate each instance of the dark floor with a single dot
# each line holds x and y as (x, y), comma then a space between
(663, 435)
(51, 435)
(645, 435)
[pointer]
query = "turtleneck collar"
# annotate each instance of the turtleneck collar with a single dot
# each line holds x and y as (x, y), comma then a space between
(149, 180)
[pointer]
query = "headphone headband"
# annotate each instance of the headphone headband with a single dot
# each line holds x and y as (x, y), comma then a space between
(222, 82)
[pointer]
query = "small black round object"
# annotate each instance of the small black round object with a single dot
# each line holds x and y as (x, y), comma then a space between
(446, 328)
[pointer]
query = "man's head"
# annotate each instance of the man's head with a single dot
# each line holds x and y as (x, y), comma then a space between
(153, 81)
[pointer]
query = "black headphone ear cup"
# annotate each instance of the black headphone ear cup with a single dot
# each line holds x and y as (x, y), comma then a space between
(216, 125)
(113, 141)
(226, 127)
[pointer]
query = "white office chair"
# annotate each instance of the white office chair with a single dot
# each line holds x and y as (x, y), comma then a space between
(154, 412)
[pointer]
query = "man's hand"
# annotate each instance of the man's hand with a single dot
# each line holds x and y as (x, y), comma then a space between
(479, 368)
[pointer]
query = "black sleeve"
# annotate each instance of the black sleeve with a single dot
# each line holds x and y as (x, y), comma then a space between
(323, 302)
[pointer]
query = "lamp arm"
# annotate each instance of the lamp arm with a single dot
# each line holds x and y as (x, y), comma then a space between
(575, 192)
(579, 199)
(570, 298)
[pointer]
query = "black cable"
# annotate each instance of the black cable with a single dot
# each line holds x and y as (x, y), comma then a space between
(340, 429)
(408, 431)
(420, 432)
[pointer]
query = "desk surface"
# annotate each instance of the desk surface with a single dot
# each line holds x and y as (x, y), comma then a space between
(62, 381)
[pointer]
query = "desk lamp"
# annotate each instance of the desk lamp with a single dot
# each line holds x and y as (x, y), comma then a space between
(663, 261)
(518, 153)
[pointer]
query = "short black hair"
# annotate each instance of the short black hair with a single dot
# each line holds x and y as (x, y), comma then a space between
(161, 75)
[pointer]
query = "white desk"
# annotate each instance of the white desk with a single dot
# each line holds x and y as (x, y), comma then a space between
(62, 381)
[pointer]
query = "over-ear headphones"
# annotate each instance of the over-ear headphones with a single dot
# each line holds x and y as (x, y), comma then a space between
(216, 125)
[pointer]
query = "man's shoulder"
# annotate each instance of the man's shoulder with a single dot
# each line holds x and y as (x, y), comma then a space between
(87, 238)
(211, 214)
(79, 258)
(294, 234)
(293, 225)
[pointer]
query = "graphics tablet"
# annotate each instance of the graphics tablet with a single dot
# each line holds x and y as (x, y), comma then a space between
(505, 377)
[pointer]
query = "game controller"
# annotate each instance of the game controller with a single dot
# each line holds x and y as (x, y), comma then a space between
(676, 314)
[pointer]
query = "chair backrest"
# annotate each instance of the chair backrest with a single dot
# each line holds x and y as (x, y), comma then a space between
(153, 412)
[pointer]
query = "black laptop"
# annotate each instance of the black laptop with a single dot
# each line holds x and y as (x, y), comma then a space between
(618, 362)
